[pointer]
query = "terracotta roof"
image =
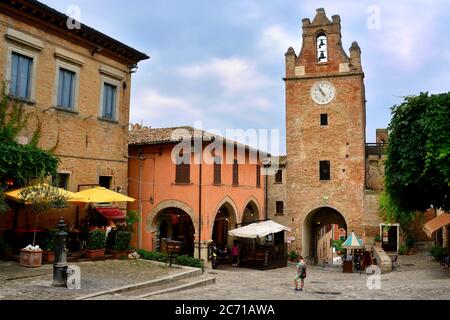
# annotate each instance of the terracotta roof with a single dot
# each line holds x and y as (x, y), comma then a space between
(140, 136)
(36, 13)
(436, 224)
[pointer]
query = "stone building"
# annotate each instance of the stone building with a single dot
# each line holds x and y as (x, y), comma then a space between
(77, 81)
(194, 201)
(333, 177)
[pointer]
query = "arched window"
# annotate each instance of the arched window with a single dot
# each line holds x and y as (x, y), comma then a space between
(322, 47)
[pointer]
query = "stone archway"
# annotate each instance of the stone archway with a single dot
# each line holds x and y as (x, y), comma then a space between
(225, 219)
(163, 217)
(317, 224)
(251, 212)
(151, 218)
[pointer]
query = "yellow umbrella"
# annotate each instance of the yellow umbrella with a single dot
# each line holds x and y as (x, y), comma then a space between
(15, 195)
(100, 194)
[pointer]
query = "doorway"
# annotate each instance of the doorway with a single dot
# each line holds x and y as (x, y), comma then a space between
(390, 237)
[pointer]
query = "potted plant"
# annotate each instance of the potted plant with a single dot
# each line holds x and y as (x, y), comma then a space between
(122, 244)
(49, 248)
(96, 243)
(377, 240)
(40, 198)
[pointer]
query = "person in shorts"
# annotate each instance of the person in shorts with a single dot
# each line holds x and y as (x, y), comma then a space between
(300, 275)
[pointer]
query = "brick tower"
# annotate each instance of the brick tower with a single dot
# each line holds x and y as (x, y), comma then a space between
(325, 122)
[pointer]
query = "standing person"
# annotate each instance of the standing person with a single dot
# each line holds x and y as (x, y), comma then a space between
(235, 253)
(301, 274)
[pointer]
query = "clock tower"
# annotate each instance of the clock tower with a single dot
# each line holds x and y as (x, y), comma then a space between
(325, 129)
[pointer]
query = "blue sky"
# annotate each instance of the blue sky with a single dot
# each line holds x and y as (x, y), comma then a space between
(222, 62)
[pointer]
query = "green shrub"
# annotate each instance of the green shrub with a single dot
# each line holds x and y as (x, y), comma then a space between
(151, 255)
(123, 240)
(96, 240)
(377, 238)
(403, 250)
(161, 257)
(190, 262)
(438, 253)
(293, 255)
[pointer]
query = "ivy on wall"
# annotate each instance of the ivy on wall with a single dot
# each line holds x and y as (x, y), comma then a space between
(18, 161)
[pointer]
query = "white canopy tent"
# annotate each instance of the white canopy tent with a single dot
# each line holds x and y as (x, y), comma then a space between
(258, 230)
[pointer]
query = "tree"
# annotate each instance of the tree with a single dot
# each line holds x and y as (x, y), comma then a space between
(17, 161)
(41, 198)
(418, 157)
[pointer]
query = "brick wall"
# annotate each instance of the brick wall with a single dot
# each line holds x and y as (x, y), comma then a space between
(88, 147)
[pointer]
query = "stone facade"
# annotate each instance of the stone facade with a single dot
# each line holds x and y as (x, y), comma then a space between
(88, 145)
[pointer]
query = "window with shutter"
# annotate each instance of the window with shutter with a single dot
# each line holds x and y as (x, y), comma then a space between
(66, 89)
(183, 173)
(217, 171)
(258, 176)
(109, 101)
(235, 173)
(21, 71)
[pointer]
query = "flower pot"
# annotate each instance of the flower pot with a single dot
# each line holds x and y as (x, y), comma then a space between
(48, 256)
(118, 254)
(95, 254)
(31, 259)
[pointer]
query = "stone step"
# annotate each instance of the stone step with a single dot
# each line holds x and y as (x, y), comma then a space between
(174, 286)
(185, 274)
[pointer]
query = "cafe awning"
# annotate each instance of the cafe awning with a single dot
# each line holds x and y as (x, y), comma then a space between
(102, 195)
(41, 190)
(111, 213)
(353, 242)
(436, 224)
(258, 229)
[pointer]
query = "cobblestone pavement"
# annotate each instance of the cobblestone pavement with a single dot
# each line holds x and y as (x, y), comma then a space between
(19, 283)
(417, 278)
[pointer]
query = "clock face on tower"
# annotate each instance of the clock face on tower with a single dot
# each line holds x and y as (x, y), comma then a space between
(323, 92)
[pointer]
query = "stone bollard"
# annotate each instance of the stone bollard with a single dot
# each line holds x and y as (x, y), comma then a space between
(73, 278)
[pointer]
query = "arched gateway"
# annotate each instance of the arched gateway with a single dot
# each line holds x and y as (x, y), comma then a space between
(316, 225)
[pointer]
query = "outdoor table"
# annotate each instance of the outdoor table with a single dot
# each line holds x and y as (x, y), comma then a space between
(348, 266)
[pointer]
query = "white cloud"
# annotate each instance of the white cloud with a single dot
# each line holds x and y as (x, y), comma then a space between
(235, 75)
(150, 105)
(276, 40)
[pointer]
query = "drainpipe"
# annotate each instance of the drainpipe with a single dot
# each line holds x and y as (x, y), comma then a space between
(200, 202)
(266, 195)
(141, 159)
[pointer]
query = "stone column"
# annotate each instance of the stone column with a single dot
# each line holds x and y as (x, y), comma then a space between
(204, 252)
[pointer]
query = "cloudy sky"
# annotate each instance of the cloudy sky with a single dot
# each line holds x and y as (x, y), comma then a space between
(222, 62)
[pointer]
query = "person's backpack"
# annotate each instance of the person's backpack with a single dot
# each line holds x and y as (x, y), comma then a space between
(303, 272)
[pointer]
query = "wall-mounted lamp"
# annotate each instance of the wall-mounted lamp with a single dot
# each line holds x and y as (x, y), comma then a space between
(95, 50)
